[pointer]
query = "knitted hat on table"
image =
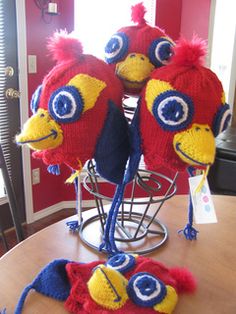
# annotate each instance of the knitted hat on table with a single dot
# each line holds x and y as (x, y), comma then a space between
(77, 113)
(134, 51)
(122, 284)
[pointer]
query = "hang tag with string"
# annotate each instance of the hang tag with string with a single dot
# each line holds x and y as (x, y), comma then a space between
(203, 207)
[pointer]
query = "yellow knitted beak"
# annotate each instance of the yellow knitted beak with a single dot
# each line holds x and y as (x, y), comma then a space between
(40, 132)
(196, 146)
(134, 70)
(107, 287)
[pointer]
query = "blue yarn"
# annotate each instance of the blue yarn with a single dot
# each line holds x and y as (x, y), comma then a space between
(223, 113)
(52, 281)
(147, 286)
(34, 104)
(189, 231)
(21, 301)
(54, 169)
(116, 49)
(74, 224)
(66, 104)
(113, 146)
(108, 242)
(158, 57)
(122, 262)
(173, 110)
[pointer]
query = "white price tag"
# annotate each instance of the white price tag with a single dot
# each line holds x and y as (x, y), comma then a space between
(203, 207)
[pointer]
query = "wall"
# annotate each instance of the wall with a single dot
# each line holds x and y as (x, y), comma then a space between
(195, 18)
(51, 189)
(168, 16)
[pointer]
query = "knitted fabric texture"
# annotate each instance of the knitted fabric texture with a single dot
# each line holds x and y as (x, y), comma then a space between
(98, 288)
(52, 281)
(72, 109)
(181, 107)
(134, 51)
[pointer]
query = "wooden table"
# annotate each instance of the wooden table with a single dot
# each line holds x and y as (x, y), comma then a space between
(212, 260)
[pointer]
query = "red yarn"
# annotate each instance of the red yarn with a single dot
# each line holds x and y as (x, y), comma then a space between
(80, 301)
(186, 283)
(190, 53)
(138, 12)
(64, 47)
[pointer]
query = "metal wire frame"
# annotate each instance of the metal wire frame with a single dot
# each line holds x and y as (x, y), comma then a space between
(133, 226)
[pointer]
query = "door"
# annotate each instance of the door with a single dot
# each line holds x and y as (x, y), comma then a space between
(9, 105)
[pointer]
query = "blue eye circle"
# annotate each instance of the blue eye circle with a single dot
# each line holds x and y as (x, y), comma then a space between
(222, 119)
(144, 289)
(66, 104)
(160, 51)
(173, 110)
(116, 48)
(122, 262)
(34, 104)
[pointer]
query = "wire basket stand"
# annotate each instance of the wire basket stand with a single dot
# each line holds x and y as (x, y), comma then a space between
(137, 228)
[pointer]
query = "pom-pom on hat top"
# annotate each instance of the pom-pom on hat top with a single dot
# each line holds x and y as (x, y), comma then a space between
(77, 113)
(134, 51)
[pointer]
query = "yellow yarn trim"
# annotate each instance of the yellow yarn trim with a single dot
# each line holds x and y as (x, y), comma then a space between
(223, 99)
(38, 131)
(196, 145)
(134, 70)
(201, 183)
(102, 284)
(167, 305)
(155, 88)
(75, 174)
(89, 87)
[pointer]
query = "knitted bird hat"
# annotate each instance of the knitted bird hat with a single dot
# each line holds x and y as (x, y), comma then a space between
(123, 284)
(78, 113)
(182, 109)
(134, 51)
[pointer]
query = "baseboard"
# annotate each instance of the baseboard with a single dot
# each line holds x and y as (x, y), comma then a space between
(59, 206)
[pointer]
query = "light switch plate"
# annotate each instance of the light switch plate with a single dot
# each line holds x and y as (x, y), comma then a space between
(36, 176)
(32, 64)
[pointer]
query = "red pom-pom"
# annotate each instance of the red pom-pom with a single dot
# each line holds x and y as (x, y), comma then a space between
(138, 12)
(64, 47)
(190, 53)
(184, 280)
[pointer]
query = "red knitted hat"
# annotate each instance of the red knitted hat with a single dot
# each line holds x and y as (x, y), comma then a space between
(182, 109)
(134, 51)
(78, 113)
(126, 284)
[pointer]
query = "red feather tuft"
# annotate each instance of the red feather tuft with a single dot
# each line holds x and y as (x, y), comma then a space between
(185, 280)
(138, 12)
(190, 53)
(64, 47)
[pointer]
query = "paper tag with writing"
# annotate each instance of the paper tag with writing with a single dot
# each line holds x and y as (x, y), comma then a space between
(203, 207)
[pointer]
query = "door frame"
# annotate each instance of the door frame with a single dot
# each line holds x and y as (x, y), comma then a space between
(24, 105)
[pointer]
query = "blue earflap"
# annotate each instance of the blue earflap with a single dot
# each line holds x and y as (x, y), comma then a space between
(52, 281)
(108, 243)
(113, 146)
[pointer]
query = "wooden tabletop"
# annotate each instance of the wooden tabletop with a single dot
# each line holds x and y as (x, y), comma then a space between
(211, 258)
